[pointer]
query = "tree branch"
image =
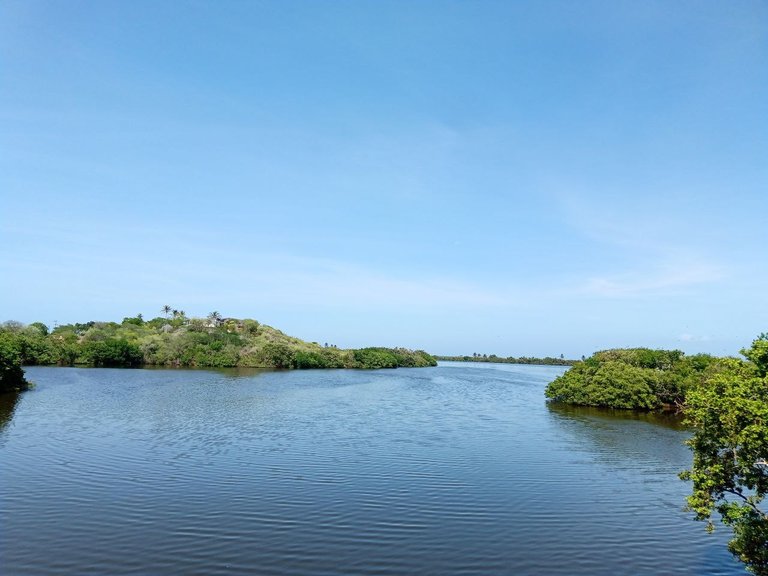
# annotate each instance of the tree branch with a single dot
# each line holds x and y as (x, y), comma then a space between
(747, 502)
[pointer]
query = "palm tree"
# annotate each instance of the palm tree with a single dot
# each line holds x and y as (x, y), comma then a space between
(166, 310)
(214, 317)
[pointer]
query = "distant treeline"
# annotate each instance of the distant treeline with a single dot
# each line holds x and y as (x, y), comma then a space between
(547, 361)
(176, 340)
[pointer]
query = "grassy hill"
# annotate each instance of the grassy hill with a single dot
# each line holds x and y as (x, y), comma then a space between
(201, 342)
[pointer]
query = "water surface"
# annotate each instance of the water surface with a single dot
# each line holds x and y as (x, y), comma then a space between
(459, 469)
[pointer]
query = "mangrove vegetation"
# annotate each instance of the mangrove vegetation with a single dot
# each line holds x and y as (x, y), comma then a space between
(11, 373)
(633, 378)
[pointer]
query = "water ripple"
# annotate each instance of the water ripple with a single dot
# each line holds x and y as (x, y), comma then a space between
(460, 469)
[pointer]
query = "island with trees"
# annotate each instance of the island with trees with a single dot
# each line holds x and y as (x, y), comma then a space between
(179, 341)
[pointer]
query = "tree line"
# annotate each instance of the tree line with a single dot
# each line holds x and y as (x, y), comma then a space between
(546, 361)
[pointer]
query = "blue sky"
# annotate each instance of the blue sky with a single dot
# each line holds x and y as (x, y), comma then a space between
(517, 178)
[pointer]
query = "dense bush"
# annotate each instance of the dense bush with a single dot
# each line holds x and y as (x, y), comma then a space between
(413, 358)
(327, 358)
(11, 374)
(634, 378)
(278, 355)
(112, 353)
(375, 358)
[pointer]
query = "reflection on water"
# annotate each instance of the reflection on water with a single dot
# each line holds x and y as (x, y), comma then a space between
(234, 372)
(623, 439)
(594, 414)
(458, 469)
(8, 404)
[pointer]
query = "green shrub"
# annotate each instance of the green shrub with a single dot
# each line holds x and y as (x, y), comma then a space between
(277, 355)
(11, 374)
(371, 358)
(633, 378)
(112, 353)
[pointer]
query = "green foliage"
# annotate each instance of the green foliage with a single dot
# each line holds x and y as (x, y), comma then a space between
(278, 355)
(40, 327)
(250, 327)
(307, 360)
(11, 374)
(35, 348)
(758, 354)
(374, 358)
(136, 320)
(31, 343)
(176, 340)
(729, 414)
(321, 358)
(413, 358)
(611, 383)
(112, 352)
(632, 378)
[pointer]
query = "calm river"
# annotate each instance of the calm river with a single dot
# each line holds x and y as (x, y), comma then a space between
(459, 469)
